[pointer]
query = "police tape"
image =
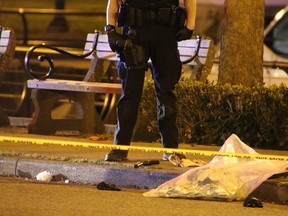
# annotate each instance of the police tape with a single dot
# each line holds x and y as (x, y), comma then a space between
(38, 141)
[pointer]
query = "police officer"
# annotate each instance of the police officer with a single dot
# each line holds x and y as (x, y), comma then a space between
(150, 29)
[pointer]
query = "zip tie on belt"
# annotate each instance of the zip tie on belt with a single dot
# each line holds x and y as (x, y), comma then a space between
(38, 141)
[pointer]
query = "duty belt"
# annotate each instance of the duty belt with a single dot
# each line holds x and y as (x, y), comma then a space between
(152, 4)
(150, 16)
(162, 16)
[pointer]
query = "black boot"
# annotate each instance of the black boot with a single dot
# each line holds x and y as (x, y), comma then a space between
(116, 155)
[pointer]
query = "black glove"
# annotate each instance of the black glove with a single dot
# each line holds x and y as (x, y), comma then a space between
(184, 34)
(114, 40)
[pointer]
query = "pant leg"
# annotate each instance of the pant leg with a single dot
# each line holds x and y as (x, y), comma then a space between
(167, 114)
(128, 104)
(166, 72)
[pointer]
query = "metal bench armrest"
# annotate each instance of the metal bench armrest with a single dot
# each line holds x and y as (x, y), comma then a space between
(42, 58)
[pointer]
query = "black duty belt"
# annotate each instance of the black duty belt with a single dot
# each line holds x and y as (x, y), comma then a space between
(162, 16)
(152, 4)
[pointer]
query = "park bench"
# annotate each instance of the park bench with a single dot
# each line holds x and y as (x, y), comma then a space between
(7, 50)
(46, 91)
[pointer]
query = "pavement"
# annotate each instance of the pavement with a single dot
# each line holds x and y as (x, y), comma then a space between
(84, 165)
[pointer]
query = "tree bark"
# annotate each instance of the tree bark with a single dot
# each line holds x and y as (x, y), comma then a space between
(241, 57)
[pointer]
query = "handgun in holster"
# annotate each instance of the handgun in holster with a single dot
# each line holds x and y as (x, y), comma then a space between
(134, 55)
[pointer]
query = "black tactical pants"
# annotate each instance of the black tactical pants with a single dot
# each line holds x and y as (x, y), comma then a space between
(161, 47)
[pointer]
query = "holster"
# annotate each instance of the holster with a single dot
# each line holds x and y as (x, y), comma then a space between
(134, 55)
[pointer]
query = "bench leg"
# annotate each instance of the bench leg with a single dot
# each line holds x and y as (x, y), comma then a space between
(44, 102)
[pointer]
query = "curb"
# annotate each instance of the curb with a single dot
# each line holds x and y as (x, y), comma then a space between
(87, 173)
(273, 190)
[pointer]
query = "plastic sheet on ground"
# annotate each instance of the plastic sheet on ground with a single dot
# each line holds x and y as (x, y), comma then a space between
(223, 178)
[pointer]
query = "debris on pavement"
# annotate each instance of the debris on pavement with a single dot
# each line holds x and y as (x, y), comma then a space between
(146, 163)
(60, 178)
(98, 138)
(252, 202)
(23, 174)
(107, 186)
(175, 160)
(44, 176)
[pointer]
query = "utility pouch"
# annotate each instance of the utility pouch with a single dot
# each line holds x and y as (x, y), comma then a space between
(163, 17)
(181, 16)
(122, 15)
(134, 55)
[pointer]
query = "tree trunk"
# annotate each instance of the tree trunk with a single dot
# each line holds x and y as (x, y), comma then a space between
(241, 58)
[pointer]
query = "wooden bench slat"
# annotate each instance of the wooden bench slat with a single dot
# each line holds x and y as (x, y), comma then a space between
(90, 37)
(111, 56)
(205, 43)
(103, 38)
(203, 52)
(107, 55)
(187, 52)
(6, 33)
(188, 43)
(4, 41)
(88, 45)
(79, 86)
(103, 47)
(187, 49)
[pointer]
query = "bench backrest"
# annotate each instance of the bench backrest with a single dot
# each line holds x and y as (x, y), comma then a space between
(198, 47)
(7, 49)
(198, 52)
(6, 36)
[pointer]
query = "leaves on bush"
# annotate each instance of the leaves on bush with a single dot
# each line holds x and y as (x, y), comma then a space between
(209, 113)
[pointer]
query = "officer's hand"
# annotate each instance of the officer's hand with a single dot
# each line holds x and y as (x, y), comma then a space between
(184, 34)
(114, 40)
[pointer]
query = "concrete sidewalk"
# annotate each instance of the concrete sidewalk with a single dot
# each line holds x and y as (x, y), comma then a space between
(86, 165)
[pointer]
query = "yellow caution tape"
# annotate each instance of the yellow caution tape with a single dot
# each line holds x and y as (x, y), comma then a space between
(38, 141)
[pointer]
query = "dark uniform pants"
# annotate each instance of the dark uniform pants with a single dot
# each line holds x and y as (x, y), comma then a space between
(161, 47)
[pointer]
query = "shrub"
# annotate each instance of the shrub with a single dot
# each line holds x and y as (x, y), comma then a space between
(209, 113)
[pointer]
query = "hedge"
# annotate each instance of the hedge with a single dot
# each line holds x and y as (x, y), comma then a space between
(210, 113)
